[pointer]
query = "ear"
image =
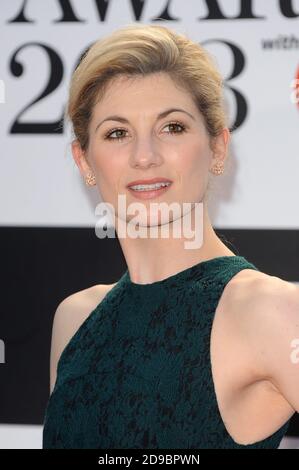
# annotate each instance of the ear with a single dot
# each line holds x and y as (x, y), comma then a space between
(219, 146)
(80, 158)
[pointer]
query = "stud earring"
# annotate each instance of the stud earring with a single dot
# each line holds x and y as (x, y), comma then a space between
(90, 180)
(217, 169)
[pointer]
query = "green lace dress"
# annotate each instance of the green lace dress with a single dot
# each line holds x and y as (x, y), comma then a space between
(137, 372)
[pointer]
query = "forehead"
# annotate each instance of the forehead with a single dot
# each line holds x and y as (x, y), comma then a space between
(153, 91)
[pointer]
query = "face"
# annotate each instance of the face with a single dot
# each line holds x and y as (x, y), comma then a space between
(129, 141)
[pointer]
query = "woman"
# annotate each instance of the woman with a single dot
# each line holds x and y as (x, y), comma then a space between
(138, 364)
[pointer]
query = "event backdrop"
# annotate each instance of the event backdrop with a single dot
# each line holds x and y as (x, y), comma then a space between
(49, 248)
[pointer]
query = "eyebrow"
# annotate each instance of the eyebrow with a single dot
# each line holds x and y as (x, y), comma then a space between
(160, 116)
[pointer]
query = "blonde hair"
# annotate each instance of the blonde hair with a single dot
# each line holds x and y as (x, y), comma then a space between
(139, 50)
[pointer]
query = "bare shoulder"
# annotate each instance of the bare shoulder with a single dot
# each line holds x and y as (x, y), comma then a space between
(257, 307)
(256, 319)
(69, 316)
(251, 289)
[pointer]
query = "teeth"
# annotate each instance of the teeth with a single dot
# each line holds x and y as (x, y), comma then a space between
(147, 187)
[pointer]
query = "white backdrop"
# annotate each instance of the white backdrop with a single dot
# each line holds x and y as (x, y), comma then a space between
(260, 190)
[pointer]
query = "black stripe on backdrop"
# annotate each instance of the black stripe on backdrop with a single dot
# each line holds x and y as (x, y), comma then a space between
(43, 265)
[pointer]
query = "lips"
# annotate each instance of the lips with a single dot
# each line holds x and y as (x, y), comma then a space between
(150, 193)
(151, 181)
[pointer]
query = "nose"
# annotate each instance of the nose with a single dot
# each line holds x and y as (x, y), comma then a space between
(145, 153)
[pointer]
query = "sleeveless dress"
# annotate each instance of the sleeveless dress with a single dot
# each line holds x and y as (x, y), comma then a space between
(137, 372)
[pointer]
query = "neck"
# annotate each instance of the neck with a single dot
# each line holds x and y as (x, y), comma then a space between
(153, 259)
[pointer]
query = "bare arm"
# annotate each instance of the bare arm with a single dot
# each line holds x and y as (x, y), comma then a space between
(268, 328)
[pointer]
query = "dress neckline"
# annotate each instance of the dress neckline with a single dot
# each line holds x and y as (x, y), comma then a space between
(194, 272)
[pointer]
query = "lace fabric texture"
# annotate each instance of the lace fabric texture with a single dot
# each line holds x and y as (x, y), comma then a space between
(137, 373)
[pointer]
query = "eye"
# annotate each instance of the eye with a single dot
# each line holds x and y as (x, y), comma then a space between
(118, 130)
(176, 124)
(108, 134)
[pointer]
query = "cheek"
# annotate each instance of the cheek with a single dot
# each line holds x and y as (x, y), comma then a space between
(108, 166)
(195, 159)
